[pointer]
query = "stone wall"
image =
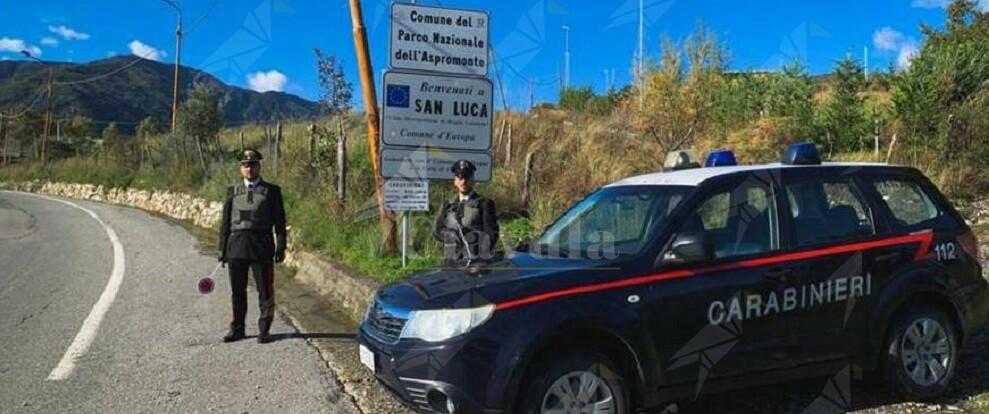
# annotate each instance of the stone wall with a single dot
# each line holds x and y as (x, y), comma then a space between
(200, 212)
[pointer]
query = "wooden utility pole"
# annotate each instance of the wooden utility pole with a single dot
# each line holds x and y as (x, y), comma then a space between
(371, 108)
(175, 77)
(48, 116)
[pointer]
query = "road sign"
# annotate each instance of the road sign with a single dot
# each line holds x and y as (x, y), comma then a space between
(433, 164)
(439, 39)
(440, 111)
(406, 195)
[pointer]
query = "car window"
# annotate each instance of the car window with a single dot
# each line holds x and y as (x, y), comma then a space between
(908, 202)
(613, 220)
(739, 221)
(827, 210)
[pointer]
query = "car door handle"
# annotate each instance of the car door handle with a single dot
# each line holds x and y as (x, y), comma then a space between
(889, 257)
(779, 275)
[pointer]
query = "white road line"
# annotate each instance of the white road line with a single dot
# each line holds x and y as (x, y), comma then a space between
(91, 325)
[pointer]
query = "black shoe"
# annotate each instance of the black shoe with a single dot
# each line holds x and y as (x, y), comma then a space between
(264, 338)
(233, 335)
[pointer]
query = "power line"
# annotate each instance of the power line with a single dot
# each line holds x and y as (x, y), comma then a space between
(201, 18)
(101, 76)
(38, 95)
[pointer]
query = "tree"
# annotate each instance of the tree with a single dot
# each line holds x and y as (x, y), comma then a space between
(201, 119)
(24, 131)
(680, 97)
(790, 95)
(939, 98)
(146, 132)
(576, 98)
(79, 127)
(336, 91)
(111, 142)
(843, 115)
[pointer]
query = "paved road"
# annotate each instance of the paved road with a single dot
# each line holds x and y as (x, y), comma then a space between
(157, 347)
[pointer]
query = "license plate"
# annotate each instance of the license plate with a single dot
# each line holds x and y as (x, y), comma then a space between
(367, 357)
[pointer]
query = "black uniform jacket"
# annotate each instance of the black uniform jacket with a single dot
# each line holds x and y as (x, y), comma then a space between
(254, 245)
(477, 220)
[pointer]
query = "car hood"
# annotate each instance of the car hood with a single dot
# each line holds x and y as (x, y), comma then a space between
(455, 288)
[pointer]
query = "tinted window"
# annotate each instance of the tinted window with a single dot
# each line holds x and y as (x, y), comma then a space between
(908, 202)
(739, 221)
(827, 210)
(615, 220)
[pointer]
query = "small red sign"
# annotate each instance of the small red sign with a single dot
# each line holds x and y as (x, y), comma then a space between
(206, 285)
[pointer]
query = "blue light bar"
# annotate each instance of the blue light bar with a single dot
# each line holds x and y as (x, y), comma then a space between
(720, 158)
(801, 153)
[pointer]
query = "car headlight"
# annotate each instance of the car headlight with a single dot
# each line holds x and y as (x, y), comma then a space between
(443, 324)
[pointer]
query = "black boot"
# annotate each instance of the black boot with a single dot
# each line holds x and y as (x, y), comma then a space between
(264, 327)
(234, 335)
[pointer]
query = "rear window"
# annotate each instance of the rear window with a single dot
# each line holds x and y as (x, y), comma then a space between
(908, 201)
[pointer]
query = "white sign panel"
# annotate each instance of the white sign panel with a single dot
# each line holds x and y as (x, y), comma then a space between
(440, 111)
(406, 195)
(433, 164)
(439, 39)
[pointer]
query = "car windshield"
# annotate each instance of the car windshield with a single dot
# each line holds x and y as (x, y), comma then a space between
(610, 222)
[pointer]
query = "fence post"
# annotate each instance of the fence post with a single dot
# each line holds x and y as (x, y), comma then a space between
(312, 144)
(342, 167)
(527, 180)
(889, 152)
(278, 143)
(241, 141)
(508, 146)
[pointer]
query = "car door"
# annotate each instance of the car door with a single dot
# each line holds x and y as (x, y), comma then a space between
(831, 240)
(710, 319)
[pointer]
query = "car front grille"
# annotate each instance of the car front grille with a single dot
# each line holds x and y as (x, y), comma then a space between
(384, 324)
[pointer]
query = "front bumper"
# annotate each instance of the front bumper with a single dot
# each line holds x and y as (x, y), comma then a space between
(424, 375)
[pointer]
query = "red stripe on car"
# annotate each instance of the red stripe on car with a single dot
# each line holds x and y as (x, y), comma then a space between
(925, 238)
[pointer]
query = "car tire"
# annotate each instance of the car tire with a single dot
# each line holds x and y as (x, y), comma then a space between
(548, 381)
(921, 353)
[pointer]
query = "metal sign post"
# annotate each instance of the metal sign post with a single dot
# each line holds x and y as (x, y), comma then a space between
(405, 238)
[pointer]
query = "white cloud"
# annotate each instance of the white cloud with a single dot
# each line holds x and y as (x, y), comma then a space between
(68, 33)
(146, 51)
(17, 45)
(906, 55)
(267, 81)
(887, 39)
(49, 41)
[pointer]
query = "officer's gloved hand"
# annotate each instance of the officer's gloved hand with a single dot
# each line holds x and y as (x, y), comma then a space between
(279, 256)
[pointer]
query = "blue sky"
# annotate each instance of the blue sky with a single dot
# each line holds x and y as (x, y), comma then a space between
(267, 44)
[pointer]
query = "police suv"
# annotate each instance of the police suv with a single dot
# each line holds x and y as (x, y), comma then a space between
(666, 286)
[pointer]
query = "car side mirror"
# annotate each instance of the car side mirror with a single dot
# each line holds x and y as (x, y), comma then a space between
(690, 248)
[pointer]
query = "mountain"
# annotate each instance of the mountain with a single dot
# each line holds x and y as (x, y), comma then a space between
(142, 88)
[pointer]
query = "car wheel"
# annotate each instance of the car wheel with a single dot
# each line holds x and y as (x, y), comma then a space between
(579, 383)
(922, 352)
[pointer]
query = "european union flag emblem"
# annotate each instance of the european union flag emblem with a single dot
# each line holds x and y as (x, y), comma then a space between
(397, 96)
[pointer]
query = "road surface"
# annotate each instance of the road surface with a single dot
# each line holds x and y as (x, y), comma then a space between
(101, 314)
